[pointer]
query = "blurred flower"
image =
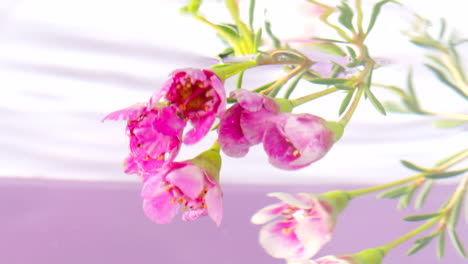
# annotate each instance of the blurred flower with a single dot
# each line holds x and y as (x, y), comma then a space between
(335, 260)
(155, 137)
(198, 95)
(191, 184)
(306, 224)
(243, 124)
(293, 141)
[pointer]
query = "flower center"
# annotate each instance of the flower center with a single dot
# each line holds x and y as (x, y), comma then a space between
(192, 97)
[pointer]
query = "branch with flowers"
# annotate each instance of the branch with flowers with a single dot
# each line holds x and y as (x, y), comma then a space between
(194, 102)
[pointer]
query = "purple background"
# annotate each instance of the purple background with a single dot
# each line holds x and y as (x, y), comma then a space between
(57, 222)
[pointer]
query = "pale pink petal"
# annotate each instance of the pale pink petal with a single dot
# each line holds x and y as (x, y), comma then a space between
(334, 260)
(250, 101)
(130, 113)
(268, 213)
(313, 233)
(189, 179)
(298, 202)
(194, 214)
(253, 124)
(214, 203)
(160, 208)
(279, 241)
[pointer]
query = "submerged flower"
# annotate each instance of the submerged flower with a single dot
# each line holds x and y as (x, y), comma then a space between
(155, 137)
(198, 95)
(243, 124)
(305, 225)
(293, 141)
(191, 185)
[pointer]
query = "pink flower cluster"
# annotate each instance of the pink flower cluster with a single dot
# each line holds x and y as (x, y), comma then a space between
(156, 133)
(292, 141)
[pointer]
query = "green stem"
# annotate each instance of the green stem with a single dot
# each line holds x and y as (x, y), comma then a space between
(310, 97)
(349, 113)
(360, 17)
(359, 192)
(389, 246)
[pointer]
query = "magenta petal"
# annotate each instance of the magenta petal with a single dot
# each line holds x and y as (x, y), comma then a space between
(130, 113)
(268, 213)
(189, 179)
(253, 125)
(160, 208)
(214, 203)
(200, 128)
(168, 122)
(231, 138)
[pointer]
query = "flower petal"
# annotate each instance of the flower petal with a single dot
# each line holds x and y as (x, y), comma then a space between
(201, 127)
(231, 138)
(130, 113)
(189, 179)
(214, 203)
(287, 198)
(314, 232)
(160, 207)
(279, 240)
(268, 213)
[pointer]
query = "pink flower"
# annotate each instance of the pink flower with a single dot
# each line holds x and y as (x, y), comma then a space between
(293, 141)
(186, 185)
(243, 124)
(305, 225)
(335, 260)
(198, 95)
(155, 137)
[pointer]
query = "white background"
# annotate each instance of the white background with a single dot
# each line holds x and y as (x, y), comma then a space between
(65, 64)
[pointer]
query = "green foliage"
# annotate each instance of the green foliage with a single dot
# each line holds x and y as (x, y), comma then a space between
(345, 102)
(421, 217)
(375, 13)
(412, 166)
(456, 242)
(346, 16)
(423, 194)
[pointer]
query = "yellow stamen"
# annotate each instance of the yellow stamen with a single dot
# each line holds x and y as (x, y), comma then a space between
(296, 153)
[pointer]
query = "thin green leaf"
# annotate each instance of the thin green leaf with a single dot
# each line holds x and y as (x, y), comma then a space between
(346, 16)
(375, 13)
(330, 40)
(455, 213)
(223, 55)
(375, 102)
(456, 242)
(293, 85)
(456, 59)
(418, 247)
(436, 60)
(412, 166)
(443, 26)
(395, 193)
(405, 200)
(448, 123)
(229, 29)
(444, 79)
(345, 102)
(421, 217)
(423, 194)
(395, 107)
(276, 41)
(251, 13)
(336, 70)
(192, 6)
(411, 92)
(444, 174)
(351, 52)
(451, 157)
(258, 38)
(426, 238)
(240, 77)
(330, 81)
(441, 245)
(344, 87)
